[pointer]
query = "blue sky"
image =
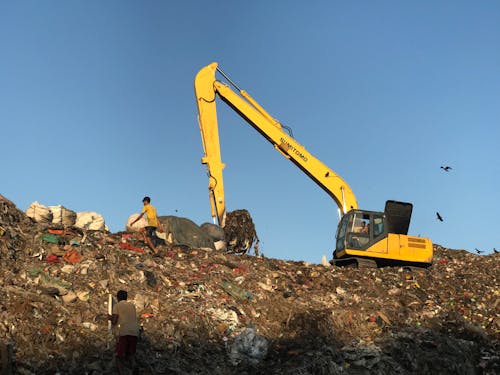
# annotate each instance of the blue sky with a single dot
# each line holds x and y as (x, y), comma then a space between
(97, 109)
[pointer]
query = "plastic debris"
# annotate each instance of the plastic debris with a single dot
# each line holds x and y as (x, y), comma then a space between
(248, 347)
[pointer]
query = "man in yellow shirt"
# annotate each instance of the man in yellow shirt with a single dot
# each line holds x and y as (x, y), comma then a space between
(149, 232)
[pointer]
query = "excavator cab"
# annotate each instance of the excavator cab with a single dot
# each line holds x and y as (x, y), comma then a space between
(380, 238)
(359, 229)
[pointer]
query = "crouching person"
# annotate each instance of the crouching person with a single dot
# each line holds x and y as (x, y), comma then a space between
(125, 318)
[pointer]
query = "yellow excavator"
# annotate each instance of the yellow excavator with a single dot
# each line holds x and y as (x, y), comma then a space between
(365, 238)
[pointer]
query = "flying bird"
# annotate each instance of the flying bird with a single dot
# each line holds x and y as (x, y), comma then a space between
(439, 217)
(478, 251)
(446, 168)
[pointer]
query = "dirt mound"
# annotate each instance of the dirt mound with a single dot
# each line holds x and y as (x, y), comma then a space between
(204, 311)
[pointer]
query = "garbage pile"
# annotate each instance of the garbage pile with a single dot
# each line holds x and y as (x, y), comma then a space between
(203, 311)
(239, 231)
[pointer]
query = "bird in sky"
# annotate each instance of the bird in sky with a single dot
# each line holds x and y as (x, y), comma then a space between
(439, 217)
(446, 168)
(495, 251)
(478, 251)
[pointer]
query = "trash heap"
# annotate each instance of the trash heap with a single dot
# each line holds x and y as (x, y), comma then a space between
(203, 311)
(239, 232)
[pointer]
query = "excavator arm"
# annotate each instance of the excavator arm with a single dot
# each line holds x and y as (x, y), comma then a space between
(207, 88)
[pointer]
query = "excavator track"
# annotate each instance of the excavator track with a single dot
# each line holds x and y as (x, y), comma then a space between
(354, 262)
(359, 262)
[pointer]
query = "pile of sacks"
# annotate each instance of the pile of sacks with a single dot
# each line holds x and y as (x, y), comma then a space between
(62, 216)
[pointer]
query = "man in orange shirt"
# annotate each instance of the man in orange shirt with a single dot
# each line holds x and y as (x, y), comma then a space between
(149, 232)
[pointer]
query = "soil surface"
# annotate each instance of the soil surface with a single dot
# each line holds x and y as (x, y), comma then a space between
(203, 311)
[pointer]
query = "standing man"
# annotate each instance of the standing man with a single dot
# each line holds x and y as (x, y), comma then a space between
(125, 318)
(149, 232)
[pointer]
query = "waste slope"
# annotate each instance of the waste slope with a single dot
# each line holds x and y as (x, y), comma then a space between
(203, 311)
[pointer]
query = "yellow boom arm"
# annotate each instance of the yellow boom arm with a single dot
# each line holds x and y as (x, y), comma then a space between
(206, 89)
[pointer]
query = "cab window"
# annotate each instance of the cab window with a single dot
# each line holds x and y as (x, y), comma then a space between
(358, 235)
(378, 225)
(341, 233)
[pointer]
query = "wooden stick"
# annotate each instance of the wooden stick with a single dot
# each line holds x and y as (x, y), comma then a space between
(110, 312)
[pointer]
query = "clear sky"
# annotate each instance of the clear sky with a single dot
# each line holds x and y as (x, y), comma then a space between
(97, 109)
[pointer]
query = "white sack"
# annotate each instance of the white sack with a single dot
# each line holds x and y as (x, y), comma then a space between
(143, 222)
(90, 221)
(39, 213)
(61, 215)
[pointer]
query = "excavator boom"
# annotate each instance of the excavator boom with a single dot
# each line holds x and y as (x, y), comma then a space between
(207, 88)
